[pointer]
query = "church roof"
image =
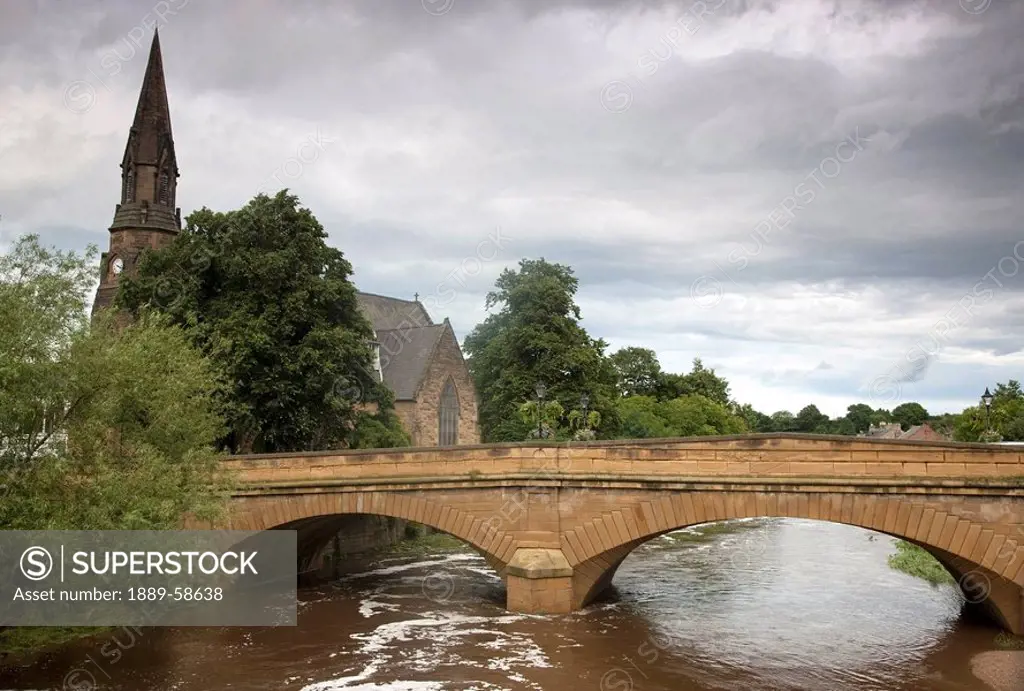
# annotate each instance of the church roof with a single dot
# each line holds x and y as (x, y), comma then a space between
(407, 337)
(405, 356)
(391, 313)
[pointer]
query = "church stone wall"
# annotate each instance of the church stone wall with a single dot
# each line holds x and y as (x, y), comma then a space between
(447, 361)
(406, 411)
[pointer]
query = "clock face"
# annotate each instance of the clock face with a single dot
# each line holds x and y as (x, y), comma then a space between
(118, 265)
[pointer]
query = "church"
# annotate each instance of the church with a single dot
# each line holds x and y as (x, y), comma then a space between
(418, 359)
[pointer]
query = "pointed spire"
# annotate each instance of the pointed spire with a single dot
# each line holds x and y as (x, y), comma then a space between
(152, 115)
(149, 168)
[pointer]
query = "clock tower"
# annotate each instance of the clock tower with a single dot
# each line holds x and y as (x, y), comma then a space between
(147, 217)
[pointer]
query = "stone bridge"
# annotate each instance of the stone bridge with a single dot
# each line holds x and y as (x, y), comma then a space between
(555, 521)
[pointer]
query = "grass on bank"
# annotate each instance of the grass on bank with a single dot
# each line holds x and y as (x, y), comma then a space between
(420, 541)
(915, 561)
(1007, 641)
(20, 640)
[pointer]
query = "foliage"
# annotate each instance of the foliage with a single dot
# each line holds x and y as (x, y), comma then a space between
(756, 421)
(860, 415)
(783, 421)
(699, 381)
(638, 371)
(543, 419)
(100, 428)
(916, 561)
(909, 414)
(644, 417)
(810, 419)
(381, 430)
(260, 292)
(1005, 421)
(535, 336)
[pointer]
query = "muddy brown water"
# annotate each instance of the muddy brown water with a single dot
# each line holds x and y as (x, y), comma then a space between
(778, 604)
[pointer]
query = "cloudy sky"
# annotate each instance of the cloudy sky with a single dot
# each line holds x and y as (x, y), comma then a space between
(823, 200)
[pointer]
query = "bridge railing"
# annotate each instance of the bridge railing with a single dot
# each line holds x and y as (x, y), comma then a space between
(747, 456)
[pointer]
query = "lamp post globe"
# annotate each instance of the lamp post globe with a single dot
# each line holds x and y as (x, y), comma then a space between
(986, 398)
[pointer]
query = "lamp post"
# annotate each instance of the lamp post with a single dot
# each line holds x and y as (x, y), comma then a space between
(541, 389)
(986, 398)
(584, 404)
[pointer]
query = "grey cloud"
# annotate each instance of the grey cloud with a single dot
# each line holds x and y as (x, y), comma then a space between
(490, 115)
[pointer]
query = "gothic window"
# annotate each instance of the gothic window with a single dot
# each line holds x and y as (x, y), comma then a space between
(129, 185)
(448, 416)
(165, 188)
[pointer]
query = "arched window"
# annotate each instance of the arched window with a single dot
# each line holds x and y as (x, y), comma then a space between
(165, 188)
(129, 185)
(448, 416)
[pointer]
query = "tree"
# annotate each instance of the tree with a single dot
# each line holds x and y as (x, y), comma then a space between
(810, 419)
(783, 421)
(701, 381)
(535, 336)
(859, 415)
(756, 421)
(909, 414)
(697, 415)
(260, 292)
(1005, 421)
(643, 417)
(638, 370)
(100, 428)
(640, 417)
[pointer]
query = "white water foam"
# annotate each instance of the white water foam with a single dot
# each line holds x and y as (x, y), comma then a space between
(438, 636)
(399, 568)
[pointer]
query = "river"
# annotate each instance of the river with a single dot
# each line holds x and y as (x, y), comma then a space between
(776, 604)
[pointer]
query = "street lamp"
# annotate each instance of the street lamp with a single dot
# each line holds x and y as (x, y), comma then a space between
(986, 398)
(584, 404)
(541, 390)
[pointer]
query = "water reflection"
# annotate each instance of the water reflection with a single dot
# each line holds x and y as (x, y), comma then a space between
(773, 604)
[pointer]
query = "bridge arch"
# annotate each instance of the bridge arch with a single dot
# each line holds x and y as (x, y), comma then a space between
(305, 513)
(989, 565)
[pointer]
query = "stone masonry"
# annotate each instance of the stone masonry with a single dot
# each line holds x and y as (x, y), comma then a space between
(421, 417)
(556, 521)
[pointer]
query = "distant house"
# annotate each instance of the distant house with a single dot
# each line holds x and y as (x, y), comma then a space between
(892, 430)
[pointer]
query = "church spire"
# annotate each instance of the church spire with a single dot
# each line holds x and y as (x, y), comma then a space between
(152, 114)
(147, 217)
(149, 169)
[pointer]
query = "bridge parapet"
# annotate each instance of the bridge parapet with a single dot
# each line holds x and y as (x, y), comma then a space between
(748, 456)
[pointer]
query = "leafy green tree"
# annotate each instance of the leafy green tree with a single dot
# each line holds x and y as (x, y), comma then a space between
(697, 415)
(544, 420)
(638, 370)
(640, 417)
(842, 426)
(756, 421)
(860, 416)
(535, 336)
(1005, 421)
(944, 424)
(880, 416)
(699, 381)
(783, 421)
(909, 414)
(260, 292)
(810, 419)
(970, 425)
(643, 417)
(100, 428)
